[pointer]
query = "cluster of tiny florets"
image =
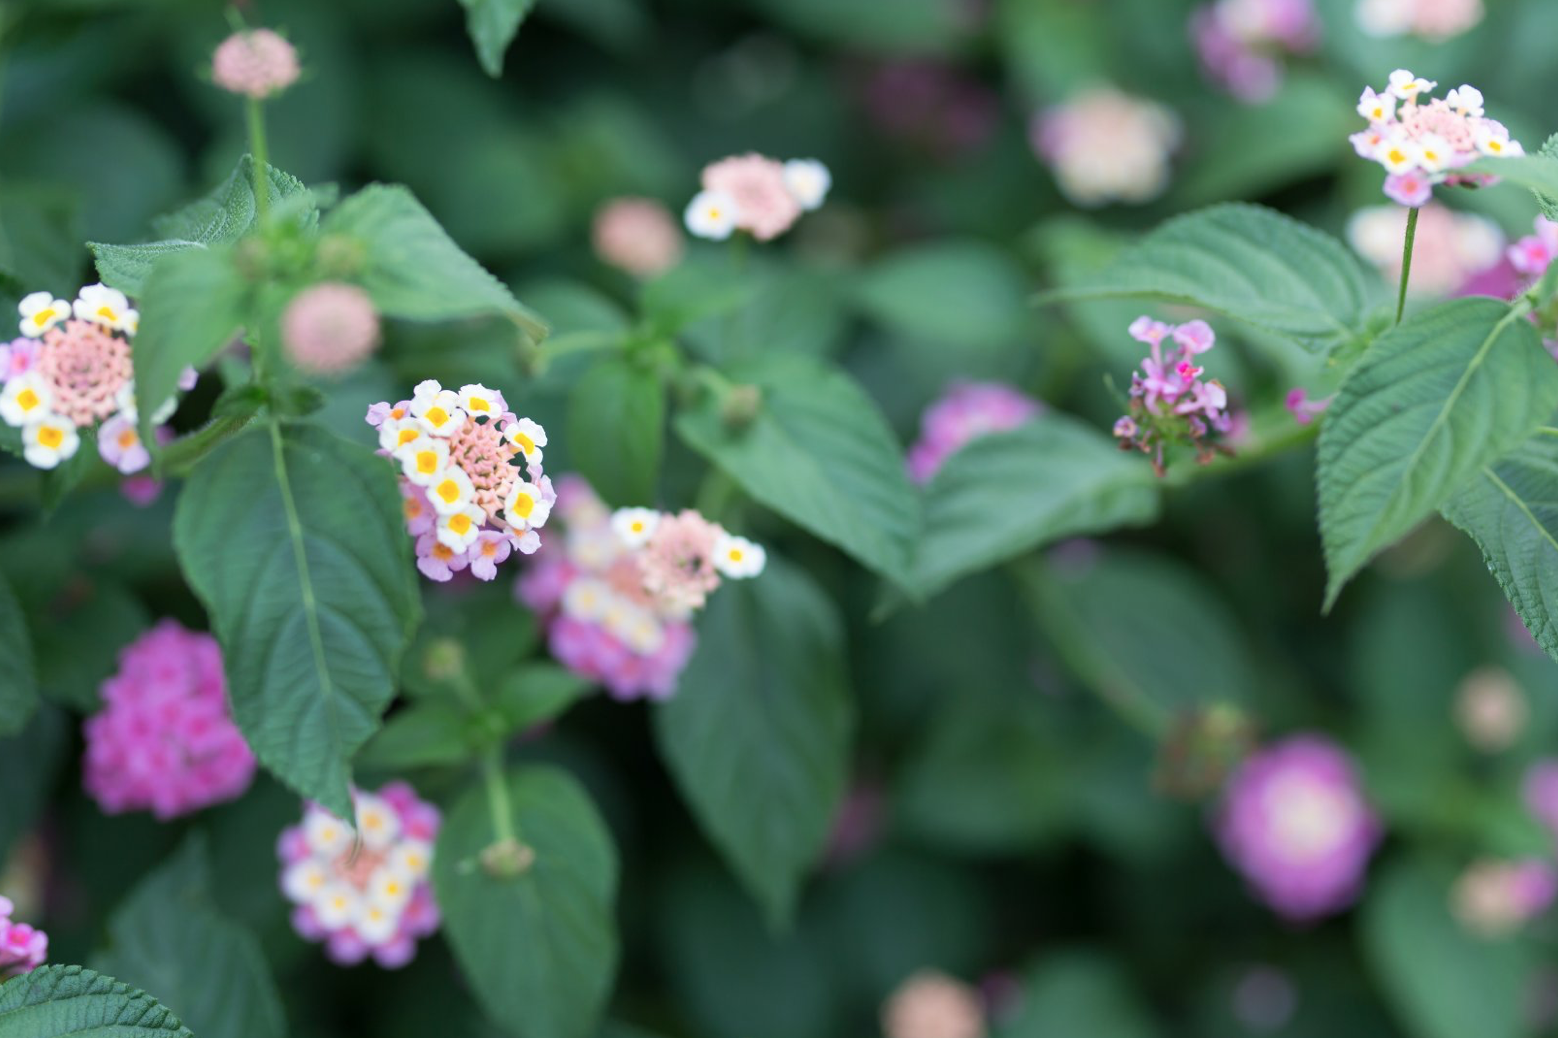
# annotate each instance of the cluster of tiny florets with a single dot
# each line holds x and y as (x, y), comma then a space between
(471, 482)
(256, 63)
(1169, 401)
(22, 947)
(330, 328)
(1422, 141)
(756, 194)
(618, 593)
(71, 370)
(365, 890)
(1107, 146)
(637, 235)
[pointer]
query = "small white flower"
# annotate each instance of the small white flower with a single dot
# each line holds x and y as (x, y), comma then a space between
(592, 549)
(1466, 100)
(376, 924)
(395, 433)
(1434, 153)
(411, 858)
(587, 598)
(451, 491)
(458, 530)
(634, 526)
(1376, 108)
(25, 399)
(376, 821)
(390, 888)
(712, 215)
(337, 905)
(528, 437)
(428, 387)
(440, 413)
(527, 543)
(808, 182)
(303, 880)
(1398, 155)
(324, 834)
(479, 401)
(41, 311)
(103, 305)
(525, 508)
(1407, 86)
(738, 557)
(124, 400)
(423, 459)
(1493, 139)
(49, 441)
(130, 322)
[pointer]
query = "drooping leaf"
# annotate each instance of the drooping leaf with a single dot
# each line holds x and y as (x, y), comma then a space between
(293, 540)
(19, 684)
(412, 268)
(616, 430)
(75, 1002)
(820, 454)
(757, 734)
(1249, 263)
(168, 936)
(540, 948)
(492, 25)
(1011, 492)
(1510, 508)
(1432, 401)
(419, 736)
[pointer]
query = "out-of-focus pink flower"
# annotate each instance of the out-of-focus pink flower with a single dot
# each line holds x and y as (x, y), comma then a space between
(1295, 824)
(765, 206)
(677, 565)
(330, 328)
(17, 358)
(1493, 898)
(931, 105)
(1541, 792)
(1490, 708)
(22, 948)
(638, 235)
(966, 411)
(930, 1004)
(1533, 254)
(256, 63)
(87, 366)
(1431, 19)
(1106, 146)
(1451, 248)
(1303, 409)
(165, 740)
(1240, 42)
(119, 442)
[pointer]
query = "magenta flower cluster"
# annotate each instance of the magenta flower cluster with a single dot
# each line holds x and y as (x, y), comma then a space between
(1240, 42)
(1169, 401)
(364, 890)
(22, 948)
(1294, 822)
(165, 741)
(966, 411)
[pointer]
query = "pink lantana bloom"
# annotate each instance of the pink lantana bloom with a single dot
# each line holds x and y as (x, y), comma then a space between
(1494, 898)
(1169, 401)
(364, 890)
(968, 410)
(330, 328)
(22, 948)
(1454, 250)
(1294, 822)
(255, 63)
(119, 442)
(765, 206)
(1240, 42)
(1107, 146)
(637, 235)
(165, 740)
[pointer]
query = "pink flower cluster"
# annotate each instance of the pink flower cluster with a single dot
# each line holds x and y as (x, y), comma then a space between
(1433, 20)
(1493, 898)
(1107, 146)
(1452, 248)
(1532, 254)
(255, 63)
(1302, 408)
(465, 498)
(966, 411)
(756, 194)
(1240, 42)
(330, 328)
(930, 1004)
(365, 890)
(637, 235)
(22, 948)
(165, 740)
(71, 369)
(1169, 403)
(1422, 142)
(1295, 823)
(617, 597)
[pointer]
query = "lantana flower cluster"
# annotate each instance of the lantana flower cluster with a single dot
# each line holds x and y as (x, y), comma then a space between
(931, 1004)
(365, 890)
(471, 480)
(1107, 146)
(756, 194)
(1452, 247)
(165, 740)
(1494, 897)
(1240, 42)
(71, 370)
(637, 235)
(1433, 20)
(619, 593)
(22, 947)
(1294, 821)
(1169, 401)
(968, 410)
(1421, 142)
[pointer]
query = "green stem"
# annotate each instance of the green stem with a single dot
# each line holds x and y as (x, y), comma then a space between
(1406, 263)
(261, 156)
(498, 796)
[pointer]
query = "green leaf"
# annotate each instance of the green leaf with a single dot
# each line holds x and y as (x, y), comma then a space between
(1433, 400)
(1510, 508)
(691, 292)
(820, 454)
(412, 268)
(1537, 172)
(964, 294)
(1079, 993)
(540, 948)
(29, 765)
(74, 1002)
(535, 694)
(492, 25)
(292, 538)
(616, 430)
(1440, 981)
(904, 27)
(1249, 263)
(19, 687)
(221, 218)
(192, 305)
(757, 735)
(1008, 493)
(419, 736)
(169, 937)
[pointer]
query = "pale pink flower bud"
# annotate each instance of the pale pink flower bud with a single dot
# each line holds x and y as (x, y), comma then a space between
(765, 206)
(933, 1005)
(330, 328)
(256, 63)
(1490, 708)
(638, 235)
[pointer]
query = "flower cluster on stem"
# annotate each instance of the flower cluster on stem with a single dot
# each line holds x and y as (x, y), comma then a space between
(756, 194)
(1240, 42)
(1107, 146)
(1169, 401)
(22, 947)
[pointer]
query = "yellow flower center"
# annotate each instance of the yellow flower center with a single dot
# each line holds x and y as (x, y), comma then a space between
(405, 436)
(449, 490)
(27, 399)
(526, 444)
(128, 439)
(44, 316)
(107, 314)
(460, 523)
(413, 508)
(524, 504)
(398, 413)
(51, 437)
(443, 552)
(427, 462)
(478, 403)
(638, 526)
(1397, 155)
(436, 415)
(735, 555)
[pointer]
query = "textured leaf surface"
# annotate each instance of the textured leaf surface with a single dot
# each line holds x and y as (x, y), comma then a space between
(18, 677)
(74, 1002)
(492, 25)
(1432, 401)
